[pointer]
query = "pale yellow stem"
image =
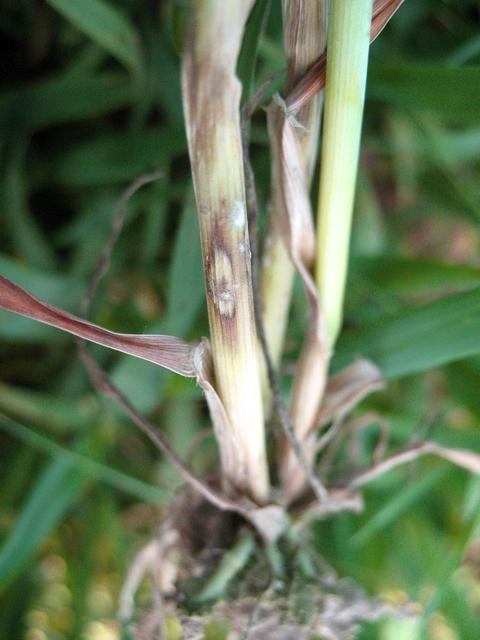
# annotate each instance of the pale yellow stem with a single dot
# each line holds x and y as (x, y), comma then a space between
(211, 101)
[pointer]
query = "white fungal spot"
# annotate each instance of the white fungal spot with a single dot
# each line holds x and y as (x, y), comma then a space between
(244, 250)
(226, 296)
(238, 214)
(222, 284)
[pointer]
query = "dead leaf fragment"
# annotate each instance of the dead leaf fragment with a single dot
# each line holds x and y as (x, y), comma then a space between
(347, 388)
(461, 457)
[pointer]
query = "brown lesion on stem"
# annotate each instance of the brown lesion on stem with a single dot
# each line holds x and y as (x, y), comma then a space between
(221, 279)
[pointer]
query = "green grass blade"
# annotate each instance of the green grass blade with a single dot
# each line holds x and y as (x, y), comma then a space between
(62, 99)
(451, 92)
(446, 589)
(247, 59)
(407, 275)
(418, 339)
(465, 52)
(112, 159)
(25, 234)
(397, 506)
(104, 24)
(54, 492)
(230, 566)
(116, 479)
(52, 412)
(185, 295)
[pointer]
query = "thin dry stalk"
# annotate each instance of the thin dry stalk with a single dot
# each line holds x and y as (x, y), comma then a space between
(461, 457)
(211, 95)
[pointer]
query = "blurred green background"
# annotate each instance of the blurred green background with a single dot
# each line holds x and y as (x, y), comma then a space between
(90, 100)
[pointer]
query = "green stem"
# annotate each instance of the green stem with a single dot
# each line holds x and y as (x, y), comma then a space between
(230, 566)
(348, 45)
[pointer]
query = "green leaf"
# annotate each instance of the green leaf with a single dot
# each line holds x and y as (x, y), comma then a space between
(462, 378)
(172, 628)
(465, 52)
(62, 99)
(113, 158)
(248, 55)
(456, 607)
(232, 562)
(455, 146)
(185, 294)
(25, 234)
(54, 492)
(451, 92)
(399, 504)
(417, 339)
(441, 152)
(52, 412)
(216, 630)
(145, 385)
(414, 275)
(17, 604)
(443, 595)
(116, 479)
(105, 25)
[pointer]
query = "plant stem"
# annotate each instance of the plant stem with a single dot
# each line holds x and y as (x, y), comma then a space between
(211, 101)
(348, 45)
(305, 36)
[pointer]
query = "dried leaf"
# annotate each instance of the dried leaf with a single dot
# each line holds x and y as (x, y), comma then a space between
(190, 360)
(314, 79)
(167, 351)
(461, 457)
(221, 423)
(346, 389)
(154, 558)
(305, 38)
(338, 500)
(271, 521)
(295, 221)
